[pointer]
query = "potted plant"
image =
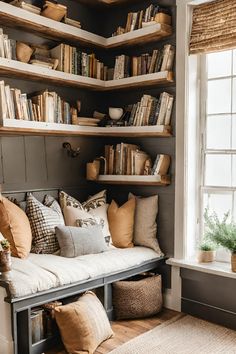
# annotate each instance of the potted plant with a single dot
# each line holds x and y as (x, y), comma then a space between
(5, 256)
(206, 252)
(222, 233)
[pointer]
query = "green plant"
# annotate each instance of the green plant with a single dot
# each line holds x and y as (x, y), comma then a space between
(206, 245)
(222, 233)
(4, 245)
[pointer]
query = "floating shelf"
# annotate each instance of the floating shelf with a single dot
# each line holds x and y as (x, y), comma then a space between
(24, 127)
(17, 17)
(135, 180)
(34, 72)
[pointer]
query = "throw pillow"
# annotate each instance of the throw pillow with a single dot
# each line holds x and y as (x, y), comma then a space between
(52, 203)
(88, 324)
(100, 214)
(95, 201)
(121, 223)
(145, 226)
(43, 221)
(15, 227)
(78, 241)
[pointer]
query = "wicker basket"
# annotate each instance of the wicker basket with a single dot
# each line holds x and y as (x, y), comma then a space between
(137, 298)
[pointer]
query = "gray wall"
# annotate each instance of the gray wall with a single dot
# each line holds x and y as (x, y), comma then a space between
(209, 296)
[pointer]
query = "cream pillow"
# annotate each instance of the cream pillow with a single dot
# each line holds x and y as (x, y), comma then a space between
(121, 223)
(83, 324)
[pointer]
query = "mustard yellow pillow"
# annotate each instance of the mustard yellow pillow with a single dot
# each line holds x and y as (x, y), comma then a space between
(15, 227)
(121, 223)
(83, 324)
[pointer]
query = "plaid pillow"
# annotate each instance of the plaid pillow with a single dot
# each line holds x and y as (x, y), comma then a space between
(43, 221)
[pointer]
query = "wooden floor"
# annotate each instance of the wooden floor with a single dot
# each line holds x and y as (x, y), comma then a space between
(126, 330)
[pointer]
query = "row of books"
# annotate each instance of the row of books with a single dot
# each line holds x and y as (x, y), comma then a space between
(129, 159)
(126, 159)
(45, 106)
(159, 60)
(137, 20)
(151, 110)
(7, 46)
(73, 61)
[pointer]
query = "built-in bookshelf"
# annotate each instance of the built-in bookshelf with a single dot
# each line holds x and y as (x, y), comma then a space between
(12, 16)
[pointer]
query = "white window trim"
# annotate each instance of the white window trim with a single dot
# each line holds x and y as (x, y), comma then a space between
(184, 11)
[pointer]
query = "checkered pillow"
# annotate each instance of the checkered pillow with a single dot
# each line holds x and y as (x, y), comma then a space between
(43, 221)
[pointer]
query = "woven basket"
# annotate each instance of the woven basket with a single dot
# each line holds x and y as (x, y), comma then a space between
(137, 298)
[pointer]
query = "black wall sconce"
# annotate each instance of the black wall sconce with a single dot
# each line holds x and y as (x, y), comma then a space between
(71, 152)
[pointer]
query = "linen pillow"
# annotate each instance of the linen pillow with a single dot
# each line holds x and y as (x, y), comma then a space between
(43, 221)
(121, 223)
(100, 214)
(15, 227)
(95, 201)
(145, 226)
(78, 241)
(88, 324)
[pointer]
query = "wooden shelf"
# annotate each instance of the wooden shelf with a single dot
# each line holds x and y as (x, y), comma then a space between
(20, 18)
(24, 127)
(34, 72)
(135, 180)
(147, 34)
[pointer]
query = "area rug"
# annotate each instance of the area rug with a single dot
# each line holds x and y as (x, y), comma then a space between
(183, 334)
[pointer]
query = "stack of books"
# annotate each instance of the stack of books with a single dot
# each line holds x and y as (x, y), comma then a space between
(73, 61)
(125, 159)
(45, 106)
(148, 16)
(151, 110)
(159, 60)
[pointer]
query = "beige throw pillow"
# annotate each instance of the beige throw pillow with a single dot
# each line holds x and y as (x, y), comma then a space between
(145, 226)
(15, 227)
(83, 324)
(121, 223)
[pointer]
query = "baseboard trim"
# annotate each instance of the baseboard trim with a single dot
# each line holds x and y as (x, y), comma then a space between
(6, 347)
(210, 313)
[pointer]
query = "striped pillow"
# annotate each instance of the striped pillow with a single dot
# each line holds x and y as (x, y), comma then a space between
(43, 221)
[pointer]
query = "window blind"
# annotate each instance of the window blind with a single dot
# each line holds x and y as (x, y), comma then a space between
(213, 27)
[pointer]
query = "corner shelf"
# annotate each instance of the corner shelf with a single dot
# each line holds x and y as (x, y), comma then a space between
(34, 72)
(61, 31)
(134, 180)
(24, 127)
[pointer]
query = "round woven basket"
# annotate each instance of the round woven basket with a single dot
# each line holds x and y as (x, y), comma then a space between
(137, 299)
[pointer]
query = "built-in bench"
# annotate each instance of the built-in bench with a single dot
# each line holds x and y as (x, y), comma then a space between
(44, 278)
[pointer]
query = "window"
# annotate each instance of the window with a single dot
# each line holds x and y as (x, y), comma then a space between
(218, 134)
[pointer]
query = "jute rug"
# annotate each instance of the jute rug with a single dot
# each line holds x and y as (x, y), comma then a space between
(182, 335)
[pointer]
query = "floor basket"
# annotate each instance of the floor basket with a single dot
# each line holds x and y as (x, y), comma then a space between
(137, 298)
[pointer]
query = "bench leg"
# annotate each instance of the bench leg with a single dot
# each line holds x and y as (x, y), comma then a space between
(108, 301)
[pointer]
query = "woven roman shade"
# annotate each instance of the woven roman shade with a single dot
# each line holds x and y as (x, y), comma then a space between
(213, 27)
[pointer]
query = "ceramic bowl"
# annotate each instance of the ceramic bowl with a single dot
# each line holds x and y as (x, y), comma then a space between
(115, 113)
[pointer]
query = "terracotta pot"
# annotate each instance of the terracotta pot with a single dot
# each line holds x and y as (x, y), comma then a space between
(5, 261)
(206, 256)
(233, 262)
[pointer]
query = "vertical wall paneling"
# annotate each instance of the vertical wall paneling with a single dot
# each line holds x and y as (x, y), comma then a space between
(35, 157)
(1, 163)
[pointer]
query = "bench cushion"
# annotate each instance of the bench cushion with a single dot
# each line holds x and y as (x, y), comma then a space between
(40, 272)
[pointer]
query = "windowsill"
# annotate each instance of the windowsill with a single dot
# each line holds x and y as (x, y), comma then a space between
(217, 268)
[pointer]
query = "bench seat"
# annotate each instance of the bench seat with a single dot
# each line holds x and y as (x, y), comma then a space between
(41, 272)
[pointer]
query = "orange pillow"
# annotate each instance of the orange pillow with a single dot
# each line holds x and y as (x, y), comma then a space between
(15, 227)
(121, 223)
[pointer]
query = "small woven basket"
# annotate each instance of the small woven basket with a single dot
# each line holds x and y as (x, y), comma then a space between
(137, 298)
